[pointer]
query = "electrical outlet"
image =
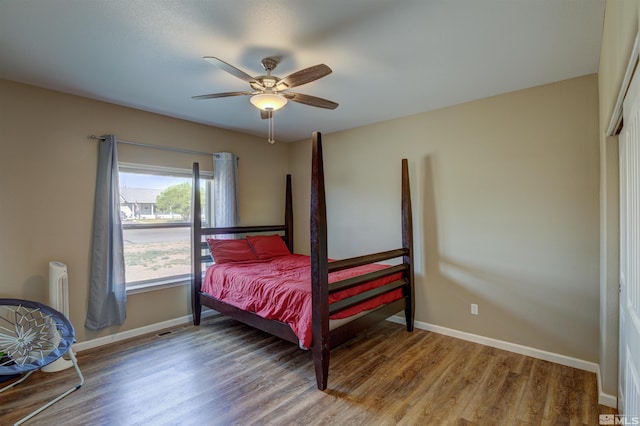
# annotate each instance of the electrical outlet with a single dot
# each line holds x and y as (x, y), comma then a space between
(474, 309)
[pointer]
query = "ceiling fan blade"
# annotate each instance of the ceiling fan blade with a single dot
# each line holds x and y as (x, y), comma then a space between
(304, 76)
(266, 114)
(230, 69)
(310, 100)
(222, 95)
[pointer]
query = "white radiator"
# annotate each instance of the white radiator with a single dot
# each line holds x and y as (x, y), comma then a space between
(58, 300)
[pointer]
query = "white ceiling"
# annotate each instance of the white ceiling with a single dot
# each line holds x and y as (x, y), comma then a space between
(390, 58)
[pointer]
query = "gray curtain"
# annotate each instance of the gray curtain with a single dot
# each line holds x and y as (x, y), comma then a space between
(107, 292)
(225, 190)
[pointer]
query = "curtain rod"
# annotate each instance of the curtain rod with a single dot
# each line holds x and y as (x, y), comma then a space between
(147, 145)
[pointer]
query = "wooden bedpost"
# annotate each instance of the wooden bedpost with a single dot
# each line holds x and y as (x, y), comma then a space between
(319, 268)
(288, 214)
(407, 244)
(196, 245)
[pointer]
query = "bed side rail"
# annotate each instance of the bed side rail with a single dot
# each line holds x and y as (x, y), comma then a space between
(349, 302)
(352, 262)
(365, 278)
(347, 283)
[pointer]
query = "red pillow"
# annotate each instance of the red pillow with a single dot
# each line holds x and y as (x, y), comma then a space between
(268, 246)
(225, 251)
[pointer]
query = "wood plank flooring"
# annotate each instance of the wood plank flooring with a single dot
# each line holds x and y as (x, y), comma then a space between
(225, 373)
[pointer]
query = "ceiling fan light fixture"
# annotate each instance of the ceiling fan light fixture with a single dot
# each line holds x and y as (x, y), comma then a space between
(268, 101)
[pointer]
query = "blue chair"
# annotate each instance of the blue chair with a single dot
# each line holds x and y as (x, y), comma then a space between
(33, 335)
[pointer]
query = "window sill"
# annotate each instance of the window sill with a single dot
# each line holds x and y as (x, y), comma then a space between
(144, 287)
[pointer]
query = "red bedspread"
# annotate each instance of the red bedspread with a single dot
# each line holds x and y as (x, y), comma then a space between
(280, 289)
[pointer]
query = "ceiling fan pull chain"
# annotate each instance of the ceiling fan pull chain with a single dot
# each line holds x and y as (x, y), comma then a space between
(271, 132)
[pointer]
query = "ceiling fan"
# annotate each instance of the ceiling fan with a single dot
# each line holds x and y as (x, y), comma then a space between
(270, 93)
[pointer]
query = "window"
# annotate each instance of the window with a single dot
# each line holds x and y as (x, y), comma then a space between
(155, 208)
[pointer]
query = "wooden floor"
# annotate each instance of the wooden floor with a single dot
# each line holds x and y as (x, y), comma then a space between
(225, 373)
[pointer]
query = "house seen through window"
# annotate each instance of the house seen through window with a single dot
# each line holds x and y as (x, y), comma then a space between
(155, 208)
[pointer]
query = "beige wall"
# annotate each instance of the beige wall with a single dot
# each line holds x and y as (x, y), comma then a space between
(505, 198)
(620, 29)
(47, 182)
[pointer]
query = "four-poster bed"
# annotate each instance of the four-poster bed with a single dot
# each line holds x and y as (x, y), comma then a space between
(389, 289)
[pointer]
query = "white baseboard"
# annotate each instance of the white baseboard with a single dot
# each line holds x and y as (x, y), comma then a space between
(604, 399)
(101, 341)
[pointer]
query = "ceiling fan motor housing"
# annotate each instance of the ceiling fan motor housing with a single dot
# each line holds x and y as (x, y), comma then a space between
(269, 64)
